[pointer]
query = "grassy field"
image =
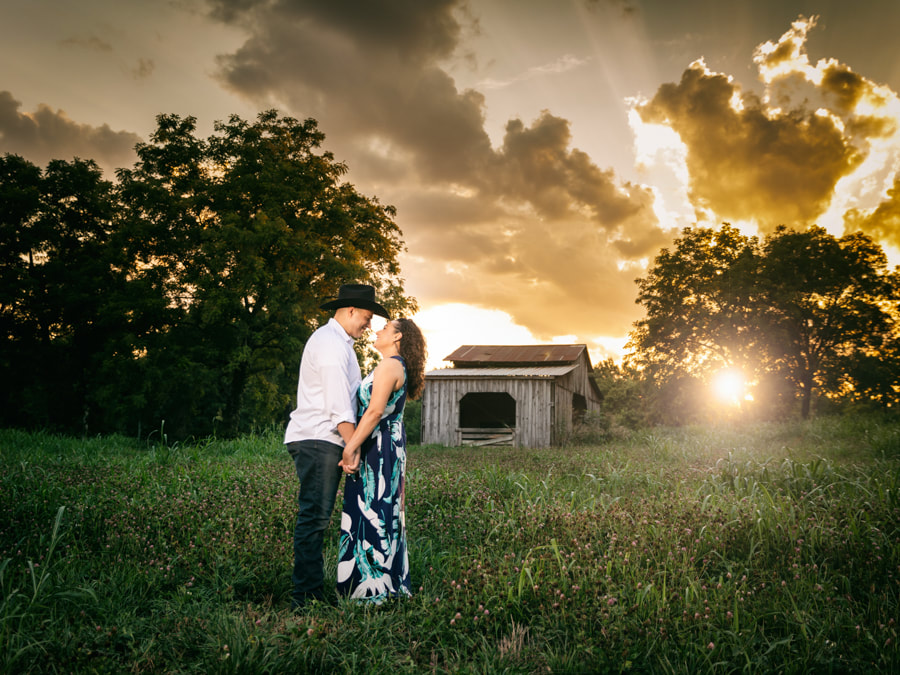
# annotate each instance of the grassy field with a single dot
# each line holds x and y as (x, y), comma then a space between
(771, 548)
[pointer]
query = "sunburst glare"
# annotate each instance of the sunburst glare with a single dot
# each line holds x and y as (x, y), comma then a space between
(730, 387)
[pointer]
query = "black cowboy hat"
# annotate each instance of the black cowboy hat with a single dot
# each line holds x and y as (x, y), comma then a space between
(361, 296)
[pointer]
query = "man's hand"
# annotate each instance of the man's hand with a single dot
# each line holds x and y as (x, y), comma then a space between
(350, 461)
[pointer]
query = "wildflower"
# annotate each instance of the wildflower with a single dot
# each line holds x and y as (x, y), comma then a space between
(711, 645)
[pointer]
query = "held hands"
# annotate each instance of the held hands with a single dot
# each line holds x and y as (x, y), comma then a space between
(350, 461)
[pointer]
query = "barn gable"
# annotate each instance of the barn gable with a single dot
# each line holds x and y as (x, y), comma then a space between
(526, 395)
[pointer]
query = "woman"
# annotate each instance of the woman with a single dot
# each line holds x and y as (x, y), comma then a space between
(373, 563)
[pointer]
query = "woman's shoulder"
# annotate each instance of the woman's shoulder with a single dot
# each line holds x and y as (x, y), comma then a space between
(392, 364)
(392, 368)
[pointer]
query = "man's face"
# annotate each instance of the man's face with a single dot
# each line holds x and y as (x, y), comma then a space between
(359, 322)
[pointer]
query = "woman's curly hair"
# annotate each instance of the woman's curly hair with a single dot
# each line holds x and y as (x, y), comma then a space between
(414, 352)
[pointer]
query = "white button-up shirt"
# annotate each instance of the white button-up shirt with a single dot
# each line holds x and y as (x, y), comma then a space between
(326, 388)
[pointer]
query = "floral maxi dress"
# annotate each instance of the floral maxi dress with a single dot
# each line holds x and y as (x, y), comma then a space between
(373, 563)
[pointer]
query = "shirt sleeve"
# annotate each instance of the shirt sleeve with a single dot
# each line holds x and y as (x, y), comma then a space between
(338, 385)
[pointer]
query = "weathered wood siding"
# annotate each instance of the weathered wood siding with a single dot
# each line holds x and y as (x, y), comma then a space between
(576, 382)
(534, 401)
(544, 404)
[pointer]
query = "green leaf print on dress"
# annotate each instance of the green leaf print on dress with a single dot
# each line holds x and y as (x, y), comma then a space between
(373, 563)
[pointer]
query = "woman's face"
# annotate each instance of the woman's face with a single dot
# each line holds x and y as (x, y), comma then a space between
(387, 336)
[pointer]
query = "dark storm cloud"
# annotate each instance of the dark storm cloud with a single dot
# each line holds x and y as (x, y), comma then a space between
(47, 134)
(747, 161)
(534, 227)
(374, 73)
(369, 71)
(537, 165)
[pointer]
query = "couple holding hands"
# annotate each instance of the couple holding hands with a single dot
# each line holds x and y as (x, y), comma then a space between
(346, 424)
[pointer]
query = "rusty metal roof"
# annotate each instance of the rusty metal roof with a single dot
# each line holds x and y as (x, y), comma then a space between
(523, 372)
(516, 354)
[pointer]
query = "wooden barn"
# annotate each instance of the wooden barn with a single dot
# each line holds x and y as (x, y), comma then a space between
(508, 395)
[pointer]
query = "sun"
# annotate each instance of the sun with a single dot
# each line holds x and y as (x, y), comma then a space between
(729, 386)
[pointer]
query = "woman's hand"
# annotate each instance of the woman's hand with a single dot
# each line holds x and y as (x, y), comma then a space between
(388, 377)
(350, 461)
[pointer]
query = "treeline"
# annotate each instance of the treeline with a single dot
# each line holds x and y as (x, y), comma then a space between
(177, 299)
(806, 320)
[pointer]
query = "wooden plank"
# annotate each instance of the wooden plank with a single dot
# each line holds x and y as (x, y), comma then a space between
(472, 436)
(487, 430)
(500, 440)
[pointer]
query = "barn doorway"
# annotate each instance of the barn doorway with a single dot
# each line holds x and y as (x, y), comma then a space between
(482, 410)
(487, 418)
(579, 409)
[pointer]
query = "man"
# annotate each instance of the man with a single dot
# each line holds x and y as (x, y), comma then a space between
(322, 423)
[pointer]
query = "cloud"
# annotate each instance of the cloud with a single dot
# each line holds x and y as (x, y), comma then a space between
(746, 161)
(789, 156)
(367, 72)
(563, 64)
(143, 69)
(92, 43)
(46, 134)
(536, 165)
(533, 227)
(881, 223)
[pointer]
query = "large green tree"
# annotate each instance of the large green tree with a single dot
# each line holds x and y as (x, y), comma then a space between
(700, 299)
(59, 277)
(180, 297)
(240, 236)
(829, 307)
(802, 308)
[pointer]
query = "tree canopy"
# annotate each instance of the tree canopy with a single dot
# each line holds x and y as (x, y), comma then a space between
(798, 313)
(182, 293)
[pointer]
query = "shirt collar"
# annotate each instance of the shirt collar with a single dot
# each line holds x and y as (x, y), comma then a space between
(338, 329)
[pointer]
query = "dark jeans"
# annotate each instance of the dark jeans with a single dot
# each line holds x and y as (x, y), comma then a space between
(317, 468)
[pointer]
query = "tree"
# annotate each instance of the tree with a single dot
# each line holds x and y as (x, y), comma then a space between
(802, 307)
(241, 236)
(58, 277)
(181, 296)
(20, 202)
(700, 299)
(622, 391)
(829, 305)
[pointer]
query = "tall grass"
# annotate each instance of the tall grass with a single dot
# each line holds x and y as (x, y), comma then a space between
(771, 548)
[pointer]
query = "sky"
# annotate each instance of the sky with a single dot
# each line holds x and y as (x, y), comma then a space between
(539, 153)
